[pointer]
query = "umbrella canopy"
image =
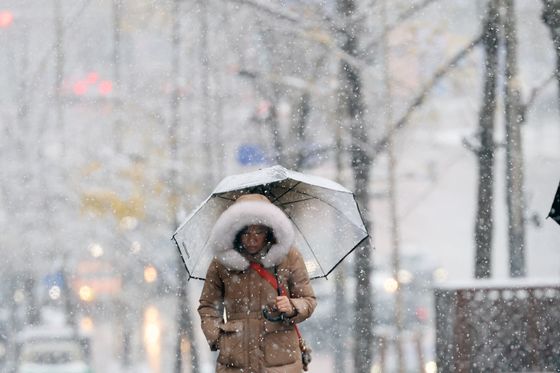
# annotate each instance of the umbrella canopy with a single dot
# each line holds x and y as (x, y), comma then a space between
(555, 209)
(327, 222)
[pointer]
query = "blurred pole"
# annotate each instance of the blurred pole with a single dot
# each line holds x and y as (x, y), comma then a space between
(303, 111)
(22, 94)
(185, 333)
(116, 88)
(59, 75)
(32, 311)
(207, 123)
(419, 353)
(123, 314)
(70, 303)
(340, 306)
(222, 86)
(392, 166)
(272, 121)
(383, 353)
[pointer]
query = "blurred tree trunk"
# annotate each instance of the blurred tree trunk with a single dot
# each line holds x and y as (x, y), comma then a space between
(274, 125)
(340, 312)
(514, 149)
(22, 97)
(59, 73)
(551, 17)
(485, 152)
(272, 92)
(207, 123)
(392, 165)
(32, 309)
(351, 94)
(121, 304)
(117, 84)
(303, 110)
(185, 332)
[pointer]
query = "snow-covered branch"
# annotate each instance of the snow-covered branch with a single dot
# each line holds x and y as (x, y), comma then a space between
(309, 29)
(380, 145)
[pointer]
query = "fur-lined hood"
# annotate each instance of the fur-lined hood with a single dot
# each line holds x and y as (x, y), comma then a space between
(251, 209)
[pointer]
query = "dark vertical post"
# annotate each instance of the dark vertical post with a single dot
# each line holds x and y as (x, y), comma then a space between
(351, 94)
(514, 147)
(485, 153)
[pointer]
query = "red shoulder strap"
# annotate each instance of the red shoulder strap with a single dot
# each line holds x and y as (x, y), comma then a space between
(269, 277)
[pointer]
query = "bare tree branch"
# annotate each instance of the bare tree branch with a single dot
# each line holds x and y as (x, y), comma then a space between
(537, 90)
(309, 30)
(409, 13)
(400, 19)
(440, 73)
(467, 143)
(67, 26)
(275, 12)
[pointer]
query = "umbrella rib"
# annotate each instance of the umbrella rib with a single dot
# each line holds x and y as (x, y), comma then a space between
(286, 192)
(348, 253)
(181, 255)
(227, 199)
(293, 202)
(272, 194)
(256, 189)
(327, 203)
(307, 242)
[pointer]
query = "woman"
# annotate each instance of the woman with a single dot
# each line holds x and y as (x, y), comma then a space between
(253, 230)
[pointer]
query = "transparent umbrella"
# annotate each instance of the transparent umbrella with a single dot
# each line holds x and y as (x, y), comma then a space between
(327, 222)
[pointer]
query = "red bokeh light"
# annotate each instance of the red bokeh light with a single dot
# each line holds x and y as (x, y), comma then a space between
(422, 314)
(92, 78)
(105, 87)
(6, 18)
(80, 87)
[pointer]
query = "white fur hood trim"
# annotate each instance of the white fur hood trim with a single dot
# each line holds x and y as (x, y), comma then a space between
(242, 214)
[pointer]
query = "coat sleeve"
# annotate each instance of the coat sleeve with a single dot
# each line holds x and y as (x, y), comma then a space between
(302, 295)
(211, 305)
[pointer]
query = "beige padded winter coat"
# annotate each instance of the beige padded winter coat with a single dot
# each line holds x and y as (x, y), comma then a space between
(246, 341)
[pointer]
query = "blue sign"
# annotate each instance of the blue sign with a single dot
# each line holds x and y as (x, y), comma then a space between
(250, 155)
(54, 279)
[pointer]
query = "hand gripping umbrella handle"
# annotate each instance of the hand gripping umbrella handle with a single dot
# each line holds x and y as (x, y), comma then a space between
(274, 281)
(269, 317)
(266, 312)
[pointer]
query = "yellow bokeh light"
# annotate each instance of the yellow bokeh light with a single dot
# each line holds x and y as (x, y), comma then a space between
(405, 277)
(150, 274)
(96, 250)
(440, 275)
(390, 285)
(135, 247)
(430, 367)
(152, 337)
(19, 296)
(86, 293)
(86, 324)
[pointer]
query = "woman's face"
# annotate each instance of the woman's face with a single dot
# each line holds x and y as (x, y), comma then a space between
(254, 239)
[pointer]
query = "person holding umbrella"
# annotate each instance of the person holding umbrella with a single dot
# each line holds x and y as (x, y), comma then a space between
(256, 290)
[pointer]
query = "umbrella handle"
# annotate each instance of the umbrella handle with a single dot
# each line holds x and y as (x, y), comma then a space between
(269, 317)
